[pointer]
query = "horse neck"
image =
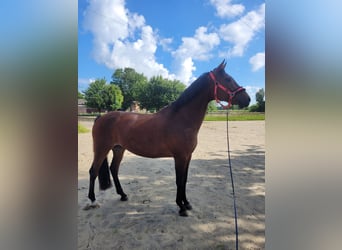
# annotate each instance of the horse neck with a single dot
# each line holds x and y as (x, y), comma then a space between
(194, 111)
(198, 112)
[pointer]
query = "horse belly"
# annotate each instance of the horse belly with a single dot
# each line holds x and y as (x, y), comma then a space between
(149, 149)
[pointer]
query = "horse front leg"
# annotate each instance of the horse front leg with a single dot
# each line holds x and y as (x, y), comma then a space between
(186, 202)
(181, 167)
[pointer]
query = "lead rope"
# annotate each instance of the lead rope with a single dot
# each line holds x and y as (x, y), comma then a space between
(234, 198)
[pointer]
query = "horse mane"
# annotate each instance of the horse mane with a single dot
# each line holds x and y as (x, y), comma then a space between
(190, 92)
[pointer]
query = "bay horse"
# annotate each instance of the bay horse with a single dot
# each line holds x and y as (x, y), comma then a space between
(171, 132)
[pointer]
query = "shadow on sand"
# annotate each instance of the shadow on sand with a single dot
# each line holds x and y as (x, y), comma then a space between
(149, 219)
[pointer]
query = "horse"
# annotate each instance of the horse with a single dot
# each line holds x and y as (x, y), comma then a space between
(170, 132)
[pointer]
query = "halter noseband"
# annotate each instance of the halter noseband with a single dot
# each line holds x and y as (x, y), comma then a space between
(231, 94)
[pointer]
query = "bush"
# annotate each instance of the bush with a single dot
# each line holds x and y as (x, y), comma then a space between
(253, 108)
(259, 107)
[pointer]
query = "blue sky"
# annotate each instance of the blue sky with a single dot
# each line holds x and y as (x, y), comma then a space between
(176, 39)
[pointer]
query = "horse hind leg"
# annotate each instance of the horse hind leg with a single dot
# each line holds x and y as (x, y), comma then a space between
(100, 161)
(92, 178)
(118, 152)
(91, 193)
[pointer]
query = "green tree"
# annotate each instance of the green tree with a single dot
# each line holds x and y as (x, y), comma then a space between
(130, 82)
(259, 96)
(212, 106)
(80, 95)
(159, 92)
(94, 94)
(113, 97)
(260, 105)
(100, 95)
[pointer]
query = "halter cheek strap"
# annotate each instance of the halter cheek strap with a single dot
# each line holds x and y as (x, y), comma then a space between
(231, 94)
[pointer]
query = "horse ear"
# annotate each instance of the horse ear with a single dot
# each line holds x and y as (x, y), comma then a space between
(221, 66)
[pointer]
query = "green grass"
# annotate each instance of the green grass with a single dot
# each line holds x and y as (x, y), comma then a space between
(248, 116)
(82, 129)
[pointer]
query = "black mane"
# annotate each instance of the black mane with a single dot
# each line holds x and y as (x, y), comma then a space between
(189, 93)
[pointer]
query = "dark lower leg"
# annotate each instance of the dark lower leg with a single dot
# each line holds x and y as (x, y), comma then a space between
(180, 177)
(118, 187)
(114, 168)
(91, 194)
(179, 201)
(186, 202)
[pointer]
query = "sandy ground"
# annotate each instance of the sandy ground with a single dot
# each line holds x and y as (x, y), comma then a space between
(149, 219)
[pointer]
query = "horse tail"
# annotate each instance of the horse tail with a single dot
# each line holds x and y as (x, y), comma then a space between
(104, 176)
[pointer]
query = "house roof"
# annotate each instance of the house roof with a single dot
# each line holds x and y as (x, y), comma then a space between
(81, 101)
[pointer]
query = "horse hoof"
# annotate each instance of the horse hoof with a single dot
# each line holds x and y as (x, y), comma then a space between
(91, 206)
(124, 198)
(188, 206)
(183, 213)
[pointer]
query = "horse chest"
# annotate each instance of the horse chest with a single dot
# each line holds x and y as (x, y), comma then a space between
(185, 141)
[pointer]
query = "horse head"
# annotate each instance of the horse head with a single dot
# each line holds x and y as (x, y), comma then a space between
(227, 89)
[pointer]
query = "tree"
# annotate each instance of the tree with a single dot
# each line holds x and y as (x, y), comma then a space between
(158, 93)
(94, 94)
(259, 96)
(100, 95)
(113, 97)
(212, 106)
(80, 95)
(260, 105)
(130, 83)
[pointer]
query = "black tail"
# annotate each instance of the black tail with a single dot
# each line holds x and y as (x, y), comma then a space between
(104, 176)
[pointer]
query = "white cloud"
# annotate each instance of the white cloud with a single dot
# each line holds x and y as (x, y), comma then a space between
(165, 43)
(241, 32)
(198, 47)
(224, 8)
(139, 54)
(185, 67)
(257, 61)
(107, 20)
(83, 83)
(85, 80)
(121, 38)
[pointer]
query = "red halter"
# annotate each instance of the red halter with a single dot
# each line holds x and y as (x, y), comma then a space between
(231, 94)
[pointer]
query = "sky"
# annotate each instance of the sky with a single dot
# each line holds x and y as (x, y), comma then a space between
(175, 39)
